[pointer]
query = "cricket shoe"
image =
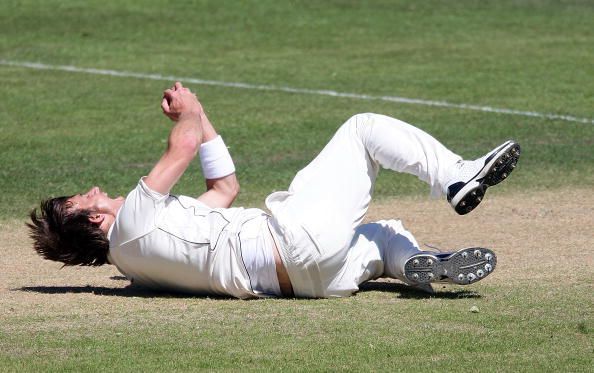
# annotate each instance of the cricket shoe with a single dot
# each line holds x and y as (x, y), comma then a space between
(462, 267)
(470, 179)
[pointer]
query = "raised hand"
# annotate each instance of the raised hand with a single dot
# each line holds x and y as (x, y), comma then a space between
(179, 102)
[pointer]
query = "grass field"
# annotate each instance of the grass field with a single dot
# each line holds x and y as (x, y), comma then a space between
(62, 132)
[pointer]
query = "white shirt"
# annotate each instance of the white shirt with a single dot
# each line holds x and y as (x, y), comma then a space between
(256, 251)
(178, 243)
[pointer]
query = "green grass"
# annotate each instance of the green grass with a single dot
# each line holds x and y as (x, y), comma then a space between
(516, 329)
(63, 132)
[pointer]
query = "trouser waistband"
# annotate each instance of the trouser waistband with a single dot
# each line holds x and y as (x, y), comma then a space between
(284, 281)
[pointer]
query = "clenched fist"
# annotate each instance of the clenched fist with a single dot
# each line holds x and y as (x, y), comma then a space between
(179, 102)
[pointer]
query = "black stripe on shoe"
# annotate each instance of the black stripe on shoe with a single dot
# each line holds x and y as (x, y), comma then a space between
(466, 196)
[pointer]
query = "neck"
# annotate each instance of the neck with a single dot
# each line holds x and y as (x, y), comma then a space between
(111, 214)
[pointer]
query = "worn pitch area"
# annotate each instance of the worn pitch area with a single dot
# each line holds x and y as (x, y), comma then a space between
(537, 237)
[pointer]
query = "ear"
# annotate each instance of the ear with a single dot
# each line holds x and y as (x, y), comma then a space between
(96, 218)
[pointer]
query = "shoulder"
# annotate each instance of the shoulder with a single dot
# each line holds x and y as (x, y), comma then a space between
(138, 214)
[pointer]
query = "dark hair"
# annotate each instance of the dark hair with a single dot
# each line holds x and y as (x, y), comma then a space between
(67, 236)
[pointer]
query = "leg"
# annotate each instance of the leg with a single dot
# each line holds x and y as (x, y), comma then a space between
(386, 249)
(330, 197)
(378, 249)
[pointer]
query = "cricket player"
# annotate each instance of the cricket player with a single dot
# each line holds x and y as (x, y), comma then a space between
(311, 243)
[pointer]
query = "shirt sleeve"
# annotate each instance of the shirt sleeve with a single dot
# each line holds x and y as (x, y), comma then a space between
(138, 214)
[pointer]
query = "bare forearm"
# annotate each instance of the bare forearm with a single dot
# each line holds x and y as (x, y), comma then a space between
(191, 130)
(208, 131)
(186, 134)
(183, 144)
(181, 106)
(220, 192)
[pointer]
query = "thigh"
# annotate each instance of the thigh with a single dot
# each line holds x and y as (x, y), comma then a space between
(330, 196)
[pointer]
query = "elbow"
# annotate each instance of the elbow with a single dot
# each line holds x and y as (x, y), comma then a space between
(221, 192)
(231, 190)
(233, 193)
(234, 190)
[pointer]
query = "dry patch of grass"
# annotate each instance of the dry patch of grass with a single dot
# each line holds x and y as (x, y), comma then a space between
(538, 237)
(544, 236)
(536, 301)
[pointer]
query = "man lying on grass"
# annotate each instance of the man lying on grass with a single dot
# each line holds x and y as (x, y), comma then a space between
(312, 244)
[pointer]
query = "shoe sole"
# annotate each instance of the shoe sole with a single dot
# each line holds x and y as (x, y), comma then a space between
(463, 267)
(496, 169)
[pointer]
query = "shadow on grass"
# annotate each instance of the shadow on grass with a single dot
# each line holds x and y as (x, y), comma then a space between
(402, 291)
(407, 292)
(128, 291)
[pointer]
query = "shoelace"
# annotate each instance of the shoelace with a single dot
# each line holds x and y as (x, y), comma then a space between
(433, 247)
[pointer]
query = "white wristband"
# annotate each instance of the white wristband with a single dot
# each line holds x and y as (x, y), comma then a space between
(215, 159)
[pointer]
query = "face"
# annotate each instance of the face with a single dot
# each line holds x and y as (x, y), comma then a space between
(96, 201)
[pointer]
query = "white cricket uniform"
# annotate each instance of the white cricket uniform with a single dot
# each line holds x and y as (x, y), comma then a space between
(179, 243)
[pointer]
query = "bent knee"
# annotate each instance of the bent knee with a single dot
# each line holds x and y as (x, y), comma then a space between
(360, 124)
(361, 119)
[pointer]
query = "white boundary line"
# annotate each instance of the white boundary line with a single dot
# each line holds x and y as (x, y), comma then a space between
(261, 87)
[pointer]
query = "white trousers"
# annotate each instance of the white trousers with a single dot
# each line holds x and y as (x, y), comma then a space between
(326, 249)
